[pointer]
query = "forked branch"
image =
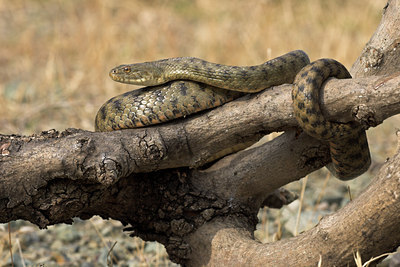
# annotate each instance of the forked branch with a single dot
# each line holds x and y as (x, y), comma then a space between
(150, 178)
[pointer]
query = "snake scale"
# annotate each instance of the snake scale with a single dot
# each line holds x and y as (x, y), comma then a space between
(167, 98)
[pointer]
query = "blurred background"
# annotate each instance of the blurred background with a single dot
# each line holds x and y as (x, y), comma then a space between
(55, 57)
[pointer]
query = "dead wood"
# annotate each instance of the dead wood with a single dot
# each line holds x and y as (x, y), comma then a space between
(368, 224)
(157, 180)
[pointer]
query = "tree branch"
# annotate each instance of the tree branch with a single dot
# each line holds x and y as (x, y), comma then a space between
(106, 157)
(381, 54)
(206, 215)
(77, 173)
(357, 226)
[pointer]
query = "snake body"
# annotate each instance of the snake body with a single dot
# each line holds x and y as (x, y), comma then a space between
(347, 141)
(167, 98)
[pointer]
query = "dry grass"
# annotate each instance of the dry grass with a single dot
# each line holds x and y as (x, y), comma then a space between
(55, 55)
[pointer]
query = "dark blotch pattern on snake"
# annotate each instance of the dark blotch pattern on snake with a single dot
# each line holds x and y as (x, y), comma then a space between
(348, 141)
(167, 98)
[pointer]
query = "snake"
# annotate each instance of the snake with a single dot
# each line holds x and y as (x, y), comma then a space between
(177, 87)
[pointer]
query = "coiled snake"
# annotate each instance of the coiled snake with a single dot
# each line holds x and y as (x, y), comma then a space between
(156, 104)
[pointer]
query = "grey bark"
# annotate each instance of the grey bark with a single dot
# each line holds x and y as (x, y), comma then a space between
(158, 180)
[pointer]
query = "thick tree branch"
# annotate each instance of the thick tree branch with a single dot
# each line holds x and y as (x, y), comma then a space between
(106, 157)
(206, 215)
(247, 177)
(381, 54)
(89, 168)
(185, 143)
(369, 224)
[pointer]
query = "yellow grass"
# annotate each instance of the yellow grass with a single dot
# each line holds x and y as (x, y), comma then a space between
(55, 55)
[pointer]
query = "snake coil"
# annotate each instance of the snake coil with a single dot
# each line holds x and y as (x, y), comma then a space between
(218, 84)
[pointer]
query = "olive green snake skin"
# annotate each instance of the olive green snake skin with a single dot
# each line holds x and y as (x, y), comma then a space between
(167, 98)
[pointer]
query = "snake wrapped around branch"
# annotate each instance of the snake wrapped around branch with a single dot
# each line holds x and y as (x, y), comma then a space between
(151, 105)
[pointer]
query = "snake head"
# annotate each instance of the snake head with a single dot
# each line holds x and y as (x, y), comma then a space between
(139, 74)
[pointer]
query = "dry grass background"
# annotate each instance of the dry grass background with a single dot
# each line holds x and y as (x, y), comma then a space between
(55, 55)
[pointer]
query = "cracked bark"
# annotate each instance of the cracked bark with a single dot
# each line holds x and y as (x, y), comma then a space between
(151, 178)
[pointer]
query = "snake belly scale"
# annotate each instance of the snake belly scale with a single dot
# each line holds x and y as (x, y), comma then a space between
(167, 98)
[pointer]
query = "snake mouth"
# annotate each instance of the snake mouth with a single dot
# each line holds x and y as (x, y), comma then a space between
(119, 74)
(113, 75)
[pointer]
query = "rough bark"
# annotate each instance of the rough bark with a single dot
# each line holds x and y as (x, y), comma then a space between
(369, 224)
(381, 54)
(157, 180)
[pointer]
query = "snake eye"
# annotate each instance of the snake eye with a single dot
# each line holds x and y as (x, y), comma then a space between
(127, 69)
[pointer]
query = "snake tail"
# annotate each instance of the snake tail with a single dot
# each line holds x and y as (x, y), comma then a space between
(348, 142)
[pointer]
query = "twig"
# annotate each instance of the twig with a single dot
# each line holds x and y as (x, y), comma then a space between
(9, 241)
